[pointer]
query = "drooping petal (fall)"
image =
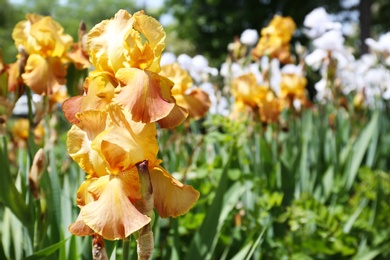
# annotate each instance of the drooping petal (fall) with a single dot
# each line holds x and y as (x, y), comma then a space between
(80, 137)
(293, 86)
(171, 197)
(146, 94)
(177, 115)
(105, 42)
(44, 76)
(197, 102)
(79, 228)
(112, 215)
(71, 107)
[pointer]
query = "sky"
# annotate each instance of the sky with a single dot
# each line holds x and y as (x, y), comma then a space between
(148, 3)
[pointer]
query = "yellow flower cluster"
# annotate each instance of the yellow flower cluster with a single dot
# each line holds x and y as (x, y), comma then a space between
(252, 98)
(262, 100)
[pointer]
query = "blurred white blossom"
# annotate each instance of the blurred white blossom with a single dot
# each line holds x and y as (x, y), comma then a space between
(318, 21)
(197, 67)
(382, 45)
(167, 58)
(249, 37)
(219, 104)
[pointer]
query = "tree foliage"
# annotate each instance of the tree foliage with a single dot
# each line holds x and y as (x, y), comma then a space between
(210, 24)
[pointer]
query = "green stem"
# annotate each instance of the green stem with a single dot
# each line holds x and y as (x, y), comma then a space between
(32, 148)
(126, 248)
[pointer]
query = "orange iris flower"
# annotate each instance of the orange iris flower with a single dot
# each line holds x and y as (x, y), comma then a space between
(107, 144)
(195, 100)
(46, 45)
(126, 52)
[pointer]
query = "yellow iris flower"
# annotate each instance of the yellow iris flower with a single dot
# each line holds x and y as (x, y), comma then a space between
(107, 144)
(275, 38)
(254, 99)
(126, 51)
(46, 44)
(293, 87)
(195, 100)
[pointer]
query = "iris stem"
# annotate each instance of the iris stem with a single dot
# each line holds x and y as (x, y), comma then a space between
(126, 248)
(32, 148)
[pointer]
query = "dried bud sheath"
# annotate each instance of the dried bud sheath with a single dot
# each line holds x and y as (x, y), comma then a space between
(145, 243)
(98, 248)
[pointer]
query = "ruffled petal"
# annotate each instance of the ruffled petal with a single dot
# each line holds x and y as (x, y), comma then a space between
(105, 42)
(42, 35)
(100, 90)
(112, 215)
(146, 94)
(44, 76)
(171, 197)
(50, 40)
(80, 137)
(152, 49)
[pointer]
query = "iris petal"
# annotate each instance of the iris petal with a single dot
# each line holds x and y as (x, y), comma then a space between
(171, 197)
(112, 215)
(44, 76)
(105, 42)
(146, 94)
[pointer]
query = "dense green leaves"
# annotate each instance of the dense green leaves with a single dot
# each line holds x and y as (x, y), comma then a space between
(9, 195)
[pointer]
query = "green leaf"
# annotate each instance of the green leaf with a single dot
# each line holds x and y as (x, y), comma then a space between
(47, 251)
(359, 149)
(255, 244)
(9, 195)
(348, 226)
(205, 239)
